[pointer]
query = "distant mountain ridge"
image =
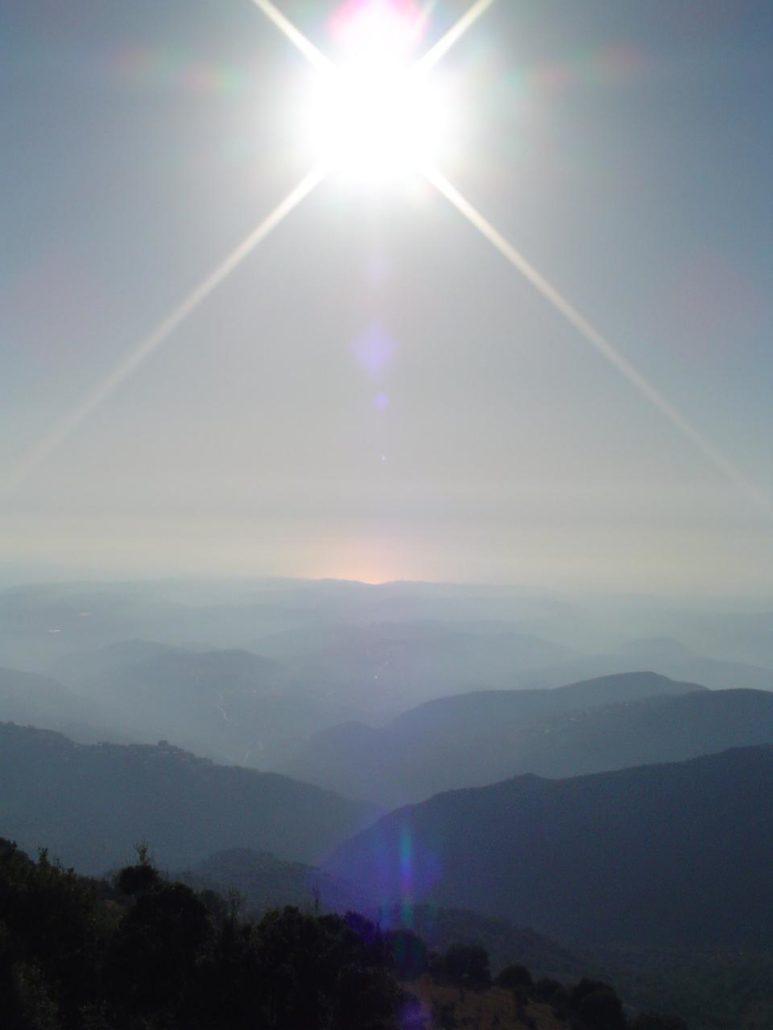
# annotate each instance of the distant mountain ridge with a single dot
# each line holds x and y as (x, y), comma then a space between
(30, 699)
(479, 738)
(673, 854)
(381, 668)
(665, 656)
(230, 705)
(91, 804)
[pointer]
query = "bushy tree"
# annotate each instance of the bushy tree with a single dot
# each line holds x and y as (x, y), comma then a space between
(467, 966)
(596, 1006)
(408, 955)
(153, 954)
(55, 928)
(514, 978)
(325, 971)
(554, 993)
(140, 877)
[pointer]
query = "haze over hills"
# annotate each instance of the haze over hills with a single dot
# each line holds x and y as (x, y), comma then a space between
(31, 699)
(332, 661)
(665, 656)
(382, 668)
(41, 623)
(662, 855)
(243, 707)
(246, 672)
(92, 804)
(480, 738)
(233, 706)
(393, 694)
(419, 640)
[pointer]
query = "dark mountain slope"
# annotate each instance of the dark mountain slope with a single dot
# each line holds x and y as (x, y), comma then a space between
(481, 738)
(657, 855)
(91, 804)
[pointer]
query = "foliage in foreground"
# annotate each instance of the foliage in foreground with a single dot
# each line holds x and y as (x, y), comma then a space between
(143, 953)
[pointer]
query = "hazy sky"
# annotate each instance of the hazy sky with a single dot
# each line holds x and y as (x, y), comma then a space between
(375, 393)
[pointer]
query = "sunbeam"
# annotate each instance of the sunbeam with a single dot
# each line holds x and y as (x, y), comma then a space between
(145, 347)
(296, 37)
(592, 335)
(454, 34)
(434, 55)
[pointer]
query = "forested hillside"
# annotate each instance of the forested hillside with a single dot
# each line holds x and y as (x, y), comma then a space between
(91, 804)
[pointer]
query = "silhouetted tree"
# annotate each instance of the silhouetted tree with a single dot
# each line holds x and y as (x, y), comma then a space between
(515, 977)
(408, 954)
(153, 954)
(140, 877)
(467, 966)
(597, 1006)
(554, 993)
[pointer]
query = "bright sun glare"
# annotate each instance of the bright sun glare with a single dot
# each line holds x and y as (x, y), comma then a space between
(376, 114)
(374, 122)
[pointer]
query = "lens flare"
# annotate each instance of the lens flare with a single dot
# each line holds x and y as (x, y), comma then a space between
(144, 348)
(296, 37)
(595, 338)
(454, 34)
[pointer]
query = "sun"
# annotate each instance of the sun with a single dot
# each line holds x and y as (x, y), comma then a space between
(375, 114)
(376, 122)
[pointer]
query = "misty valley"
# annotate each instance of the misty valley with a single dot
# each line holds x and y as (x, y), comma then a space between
(489, 807)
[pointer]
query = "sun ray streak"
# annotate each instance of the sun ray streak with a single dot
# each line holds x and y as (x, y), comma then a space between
(593, 336)
(146, 346)
(437, 52)
(296, 37)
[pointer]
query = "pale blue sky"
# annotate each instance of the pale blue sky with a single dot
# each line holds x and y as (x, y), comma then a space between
(625, 147)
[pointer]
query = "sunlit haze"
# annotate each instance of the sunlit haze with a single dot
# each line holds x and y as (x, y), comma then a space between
(389, 290)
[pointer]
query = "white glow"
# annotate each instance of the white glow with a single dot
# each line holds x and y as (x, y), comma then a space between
(376, 120)
(375, 115)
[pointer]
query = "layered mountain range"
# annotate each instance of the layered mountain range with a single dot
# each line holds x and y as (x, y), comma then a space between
(474, 739)
(661, 855)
